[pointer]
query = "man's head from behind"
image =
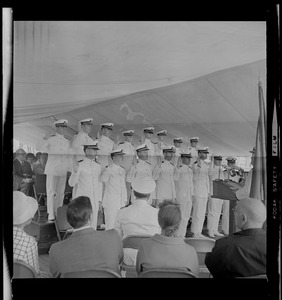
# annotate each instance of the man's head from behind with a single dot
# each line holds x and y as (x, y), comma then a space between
(142, 188)
(79, 212)
(249, 213)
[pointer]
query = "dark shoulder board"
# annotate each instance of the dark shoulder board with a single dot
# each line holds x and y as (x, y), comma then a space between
(121, 143)
(80, 160)
(148, 162)
(132, 144)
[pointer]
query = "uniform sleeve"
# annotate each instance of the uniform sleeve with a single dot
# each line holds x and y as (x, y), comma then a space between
(73, 179)
(45, 146)
(117, 225)
(192, 184)
(156, 172)
(176, 174)
(131, 173)
(106, 174)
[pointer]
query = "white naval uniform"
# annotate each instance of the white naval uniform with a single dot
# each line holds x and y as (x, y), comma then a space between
(201, 191)
(57, 166)
(214, 204)
(79, 140)
(88, 183)
(151, 152)
(141, 170)
(129, 150)
(106, 146)
(115, 195)
(138, 218)
(159, 146)
(194, 153)
(184, 187)
(165, 183)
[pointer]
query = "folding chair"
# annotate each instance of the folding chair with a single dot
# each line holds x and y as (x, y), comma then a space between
(202, 247)
(95, 273)
(133, 242)
(167, 273)
(39, 188)
(63, 228)
(23, 270)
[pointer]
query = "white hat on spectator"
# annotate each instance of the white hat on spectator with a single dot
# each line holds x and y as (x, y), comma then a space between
(145, 185)
(24, 207)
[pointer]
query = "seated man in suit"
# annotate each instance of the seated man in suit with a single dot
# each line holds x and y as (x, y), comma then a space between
(244, 252)
(22, 172)
(139, 217)
(86, 248)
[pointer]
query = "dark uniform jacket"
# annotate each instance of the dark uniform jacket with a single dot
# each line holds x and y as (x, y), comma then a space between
(238, 255)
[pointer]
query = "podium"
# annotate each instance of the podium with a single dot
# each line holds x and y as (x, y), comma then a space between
(222, 190)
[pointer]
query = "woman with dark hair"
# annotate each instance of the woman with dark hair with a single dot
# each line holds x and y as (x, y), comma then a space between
(168, 249)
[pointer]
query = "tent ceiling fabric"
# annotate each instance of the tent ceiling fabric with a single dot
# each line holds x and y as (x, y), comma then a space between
(190, 78)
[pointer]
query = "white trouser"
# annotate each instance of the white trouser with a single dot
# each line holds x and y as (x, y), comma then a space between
(110, 217)
(185, 208)
(214, 210)
(198, 214)
(225, 217)
(55, 188)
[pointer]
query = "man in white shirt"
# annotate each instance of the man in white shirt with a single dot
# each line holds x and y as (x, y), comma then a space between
(82, 137)
(193, 149)
(201, 191)
(139, 217)
(106, 144)
(184, 186)
(160, 145)
(86, 179)
(129, 149)
(141, 169)
(147, 139)
(163, 174)
(214, 204)
(115, 195)
(57, 166)
(177, 146)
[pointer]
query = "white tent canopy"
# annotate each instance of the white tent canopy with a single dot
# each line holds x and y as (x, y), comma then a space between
(190, 78)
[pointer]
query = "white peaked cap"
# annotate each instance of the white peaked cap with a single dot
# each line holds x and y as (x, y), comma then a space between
(145, 185)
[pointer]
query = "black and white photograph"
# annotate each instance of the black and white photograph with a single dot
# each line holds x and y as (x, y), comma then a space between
(142, 149)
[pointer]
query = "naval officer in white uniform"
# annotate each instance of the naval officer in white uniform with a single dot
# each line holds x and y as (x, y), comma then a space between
(214, 204)
(86, 179)
(201, 191)
(106, 144)
(193, 149)
(177, 146)
(163, 174)
(184, 186)
(115, 195)
(57, 166)
(147, 139)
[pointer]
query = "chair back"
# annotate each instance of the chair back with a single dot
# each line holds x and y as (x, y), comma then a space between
(167, 273)
(61, 223)
(133, 241)
(95, 273)
(202, 245)
(23, 270)
(40, 183)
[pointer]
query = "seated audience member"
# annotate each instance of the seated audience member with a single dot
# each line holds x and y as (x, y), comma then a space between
(31, 159)
(86, 248)
(167, 250)
(244, 252)
(39, 167)
(37, 157)
(21, 172)
(139, 217)
(25, 246)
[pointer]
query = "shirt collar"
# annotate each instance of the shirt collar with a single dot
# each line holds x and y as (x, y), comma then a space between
(81, 228)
